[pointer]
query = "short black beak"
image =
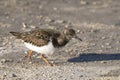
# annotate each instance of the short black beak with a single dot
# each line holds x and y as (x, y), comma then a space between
(78, 38)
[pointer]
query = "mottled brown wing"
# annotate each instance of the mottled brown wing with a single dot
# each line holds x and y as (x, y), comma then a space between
(38, 37)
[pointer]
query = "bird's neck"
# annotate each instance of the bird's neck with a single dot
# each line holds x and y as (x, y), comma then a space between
(60, 41)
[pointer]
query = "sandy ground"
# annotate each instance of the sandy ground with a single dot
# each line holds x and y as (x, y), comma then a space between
(97, 22)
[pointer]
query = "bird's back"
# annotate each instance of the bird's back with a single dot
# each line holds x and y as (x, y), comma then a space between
(37, 37)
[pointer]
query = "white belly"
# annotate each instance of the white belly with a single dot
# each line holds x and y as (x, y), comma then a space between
(46, 49)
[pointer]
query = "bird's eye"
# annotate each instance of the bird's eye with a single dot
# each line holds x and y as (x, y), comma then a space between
(46, 36)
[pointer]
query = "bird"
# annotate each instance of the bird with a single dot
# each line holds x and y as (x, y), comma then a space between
(45, 41)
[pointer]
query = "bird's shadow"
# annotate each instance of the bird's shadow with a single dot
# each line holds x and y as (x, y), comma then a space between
(95, 57)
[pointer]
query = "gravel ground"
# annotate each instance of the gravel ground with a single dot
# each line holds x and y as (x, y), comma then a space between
(95, 58)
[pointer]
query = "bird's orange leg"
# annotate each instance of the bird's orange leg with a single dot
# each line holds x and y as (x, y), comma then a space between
(29, 54)
(45, 60)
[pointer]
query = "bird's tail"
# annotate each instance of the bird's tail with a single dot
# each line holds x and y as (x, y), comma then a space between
(17, 34)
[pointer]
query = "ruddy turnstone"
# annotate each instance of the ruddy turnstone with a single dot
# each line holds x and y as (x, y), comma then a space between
(44, 41)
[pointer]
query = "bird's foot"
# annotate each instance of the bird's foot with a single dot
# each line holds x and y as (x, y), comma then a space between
(46, 61)
(28, 55)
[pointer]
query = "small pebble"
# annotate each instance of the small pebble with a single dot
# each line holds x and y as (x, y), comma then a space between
(103, 37)
(30, 62)
(107, 44)
(95, 30)
(32, 26)
(52, 27)
(59, 21)
(78, 31)
(81, 75)
(83, 2)
(52, 21)
(3, 61)
(6, 60)
(24, 25)
(118, 42)
(103, 62)
(82, 32)
(117, 48)
(102, 46)
(55, 8)
(13, 75)
(47, 19)
(64, 21)
(40, 7)
(2, 77)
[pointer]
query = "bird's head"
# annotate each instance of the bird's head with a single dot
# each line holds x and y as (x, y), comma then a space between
(70, 33)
